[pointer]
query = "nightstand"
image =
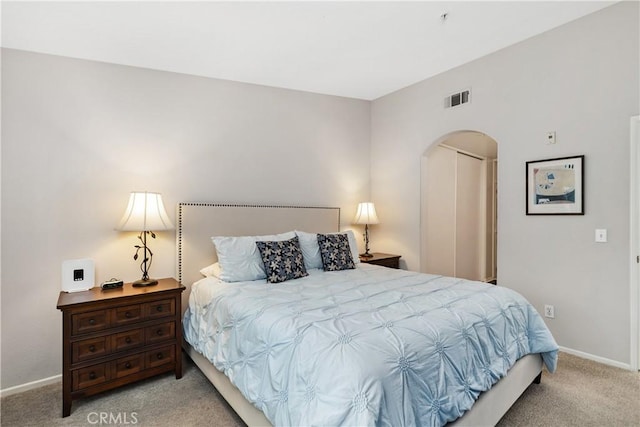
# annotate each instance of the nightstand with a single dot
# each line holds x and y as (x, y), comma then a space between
(117, 336)
(385, 260)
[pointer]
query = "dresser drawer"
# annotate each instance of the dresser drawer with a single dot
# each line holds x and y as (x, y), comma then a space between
(90, 348)
(90, 376)
(128, 365)
(161, 332)
(159, 357)
(389, 262)
(89, 322)
(128, 339)
(161, 308)
(127, 314)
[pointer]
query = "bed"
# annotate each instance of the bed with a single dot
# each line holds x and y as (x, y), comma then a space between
(314, 392)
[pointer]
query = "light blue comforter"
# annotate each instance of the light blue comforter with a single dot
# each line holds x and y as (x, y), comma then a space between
(370, 346)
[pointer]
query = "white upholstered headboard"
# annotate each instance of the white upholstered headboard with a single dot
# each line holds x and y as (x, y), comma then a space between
(198, 222)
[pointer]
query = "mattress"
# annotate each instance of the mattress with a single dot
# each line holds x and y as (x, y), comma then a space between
(368, 346)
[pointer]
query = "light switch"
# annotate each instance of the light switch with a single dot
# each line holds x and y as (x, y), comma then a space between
(601, 235)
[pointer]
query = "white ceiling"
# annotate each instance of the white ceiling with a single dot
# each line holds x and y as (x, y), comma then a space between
(354, 49)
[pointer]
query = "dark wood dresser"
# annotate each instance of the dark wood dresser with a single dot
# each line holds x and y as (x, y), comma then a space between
(118, 336)
(385, 260)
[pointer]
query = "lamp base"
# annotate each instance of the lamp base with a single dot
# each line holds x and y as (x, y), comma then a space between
(366, 255)
(144, 282)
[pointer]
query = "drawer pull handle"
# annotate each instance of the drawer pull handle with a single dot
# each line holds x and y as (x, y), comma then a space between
(92, 321)
(159, 308)
(127, 315)
(92, 375)
(127, 365)
(127, 340)
(92, 348)
(159, 332)
(159, 356)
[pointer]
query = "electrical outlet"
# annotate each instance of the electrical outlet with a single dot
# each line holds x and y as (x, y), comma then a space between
(549, 311)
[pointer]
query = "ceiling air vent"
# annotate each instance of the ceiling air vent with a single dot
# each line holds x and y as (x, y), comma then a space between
(457, 99)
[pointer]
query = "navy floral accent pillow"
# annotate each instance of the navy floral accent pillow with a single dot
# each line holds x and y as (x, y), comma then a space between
(282, 260)
(335, 252)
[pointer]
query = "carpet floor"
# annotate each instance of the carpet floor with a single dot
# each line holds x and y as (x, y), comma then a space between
(581, 393)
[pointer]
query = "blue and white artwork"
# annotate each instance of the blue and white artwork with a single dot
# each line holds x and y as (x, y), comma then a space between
(556, 184)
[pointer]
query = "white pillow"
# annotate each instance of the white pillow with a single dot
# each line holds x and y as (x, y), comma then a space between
(239, 257)
(212, 270)
(311, 249)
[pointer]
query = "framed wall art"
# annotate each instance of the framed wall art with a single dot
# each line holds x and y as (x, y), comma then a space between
(555, 186)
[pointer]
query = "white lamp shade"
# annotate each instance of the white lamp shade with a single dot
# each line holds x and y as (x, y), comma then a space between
(145, 212)
(366, 214)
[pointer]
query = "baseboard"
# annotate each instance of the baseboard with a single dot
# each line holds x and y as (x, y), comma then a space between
(598, 359)
(30, 386)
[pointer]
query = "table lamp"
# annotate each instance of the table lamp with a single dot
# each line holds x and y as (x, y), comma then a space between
(145, 213)
(366, 214)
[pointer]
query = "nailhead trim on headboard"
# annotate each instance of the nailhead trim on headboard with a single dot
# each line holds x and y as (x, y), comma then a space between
(231, 205)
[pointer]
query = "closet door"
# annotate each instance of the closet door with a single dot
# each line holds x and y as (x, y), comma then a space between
(440, 212)
(468, 224)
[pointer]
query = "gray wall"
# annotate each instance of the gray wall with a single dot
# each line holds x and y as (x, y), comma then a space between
(78, 136)
(581, 80)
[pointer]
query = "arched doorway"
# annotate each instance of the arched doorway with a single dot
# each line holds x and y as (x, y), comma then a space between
(459, 206)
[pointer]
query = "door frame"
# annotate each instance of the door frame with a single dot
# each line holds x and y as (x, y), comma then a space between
(442, 141)
(634, 219)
